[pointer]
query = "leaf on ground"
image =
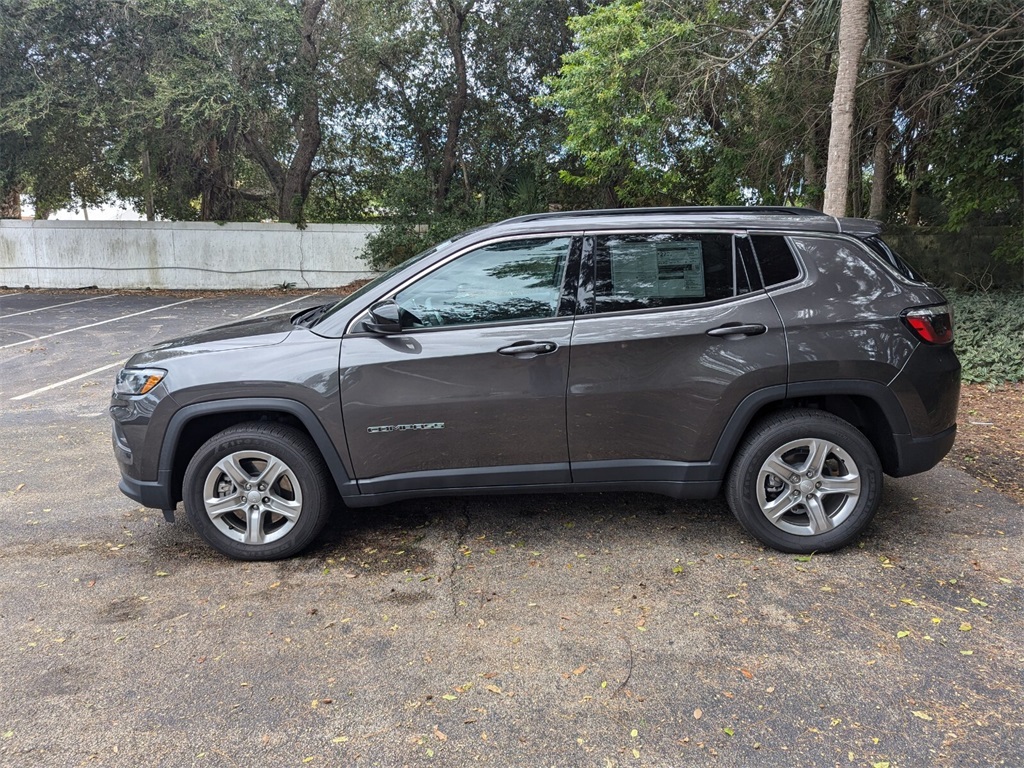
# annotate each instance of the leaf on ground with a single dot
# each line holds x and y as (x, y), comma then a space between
(493, 689)
(580, 670)
(698, 714)
(728, 731)
(908, 601)
(440, 736)
(982, 603)
(634, 733)
(922, 715)
(966, 626)
(162, 573)
(903, 633)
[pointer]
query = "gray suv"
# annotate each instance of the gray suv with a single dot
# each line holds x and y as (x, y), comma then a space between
(786, 357)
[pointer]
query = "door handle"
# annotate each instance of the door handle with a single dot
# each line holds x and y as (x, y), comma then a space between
(529, 348)
(753, 329)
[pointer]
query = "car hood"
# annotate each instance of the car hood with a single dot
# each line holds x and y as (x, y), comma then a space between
(261, 332)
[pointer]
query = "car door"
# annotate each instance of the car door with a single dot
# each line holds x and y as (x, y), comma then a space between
(675, 332)
(471, 393)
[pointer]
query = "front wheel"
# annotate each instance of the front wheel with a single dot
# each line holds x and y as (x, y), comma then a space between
(258, 491)
(804, 481)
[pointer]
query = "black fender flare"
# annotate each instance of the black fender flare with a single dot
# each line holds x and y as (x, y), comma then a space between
(346, 485)
(752, 404)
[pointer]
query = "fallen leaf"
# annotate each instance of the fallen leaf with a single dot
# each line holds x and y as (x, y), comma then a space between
(903, 633)
(698, 714)
(747, 674)
(634, 733)
(440, 736)
(493, 689)
(966, 627)
(162, 573)
(580, 670)
(922, 715)
(728, 731)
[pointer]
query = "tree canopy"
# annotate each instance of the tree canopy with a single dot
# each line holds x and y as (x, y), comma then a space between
(433, 115)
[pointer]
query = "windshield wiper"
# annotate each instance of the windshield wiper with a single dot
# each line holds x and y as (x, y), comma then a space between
(311, 316)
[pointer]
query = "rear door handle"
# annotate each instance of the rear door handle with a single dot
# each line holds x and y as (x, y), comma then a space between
(753, 329)
(531, 348)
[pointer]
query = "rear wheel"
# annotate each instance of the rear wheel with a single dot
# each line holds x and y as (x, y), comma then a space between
(258, 491)
(805, 481)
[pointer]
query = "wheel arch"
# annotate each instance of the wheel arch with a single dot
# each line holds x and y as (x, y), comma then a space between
(194, 424)
(869, 406)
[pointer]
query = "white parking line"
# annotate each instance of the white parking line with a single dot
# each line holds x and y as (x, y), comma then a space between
(68, 381)
(93, 325)
(54, 306)
(271, 309)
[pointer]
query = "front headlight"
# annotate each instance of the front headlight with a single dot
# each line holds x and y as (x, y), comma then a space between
(137, 381)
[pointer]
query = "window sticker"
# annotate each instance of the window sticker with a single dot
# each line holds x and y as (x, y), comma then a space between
(659, 270)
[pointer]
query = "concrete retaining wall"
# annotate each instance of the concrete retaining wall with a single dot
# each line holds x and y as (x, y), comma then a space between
(179, 255)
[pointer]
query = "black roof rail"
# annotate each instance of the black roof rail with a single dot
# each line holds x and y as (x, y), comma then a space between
(693, 209)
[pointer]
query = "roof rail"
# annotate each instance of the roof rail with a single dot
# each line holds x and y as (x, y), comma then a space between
(736, 209)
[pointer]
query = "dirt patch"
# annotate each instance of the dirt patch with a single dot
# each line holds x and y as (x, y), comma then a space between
(990, 436)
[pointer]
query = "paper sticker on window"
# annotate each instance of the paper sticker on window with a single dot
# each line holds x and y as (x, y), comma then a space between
(658, 270)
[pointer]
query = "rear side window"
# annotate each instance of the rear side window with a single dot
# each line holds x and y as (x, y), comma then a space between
(644, 271)
(775, 259)
(893, 259)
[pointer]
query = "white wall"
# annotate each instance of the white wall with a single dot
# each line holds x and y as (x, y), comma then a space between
(179, 255)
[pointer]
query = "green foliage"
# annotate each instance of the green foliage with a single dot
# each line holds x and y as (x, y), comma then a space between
(989, 335)
(619, 124)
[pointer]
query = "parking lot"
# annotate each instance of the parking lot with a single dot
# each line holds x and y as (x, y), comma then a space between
(596, 630)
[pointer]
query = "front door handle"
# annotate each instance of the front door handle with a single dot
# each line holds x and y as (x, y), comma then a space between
(753, 329)
(531, 348)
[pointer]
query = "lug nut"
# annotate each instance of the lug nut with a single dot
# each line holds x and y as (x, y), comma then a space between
(817, 485)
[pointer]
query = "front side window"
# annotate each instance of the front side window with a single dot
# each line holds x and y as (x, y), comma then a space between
(513, 280)
(643, 271)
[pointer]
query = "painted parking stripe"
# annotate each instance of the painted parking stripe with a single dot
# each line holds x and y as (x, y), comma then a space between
(93, 325)
(271, 309)
(47, 388)
(54, 306)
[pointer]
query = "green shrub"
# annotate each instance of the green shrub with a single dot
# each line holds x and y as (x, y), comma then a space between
(989, 335)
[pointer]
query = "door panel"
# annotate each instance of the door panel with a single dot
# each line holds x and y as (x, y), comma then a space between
(448, 399)
(655, 385)
(473, 395)
(676, 335)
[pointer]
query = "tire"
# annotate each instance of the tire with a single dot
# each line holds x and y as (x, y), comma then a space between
(804, 481)
(244, 518)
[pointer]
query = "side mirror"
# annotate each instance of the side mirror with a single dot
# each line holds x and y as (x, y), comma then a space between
(385, 318)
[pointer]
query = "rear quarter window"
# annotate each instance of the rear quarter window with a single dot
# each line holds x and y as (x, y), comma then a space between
(775, 259)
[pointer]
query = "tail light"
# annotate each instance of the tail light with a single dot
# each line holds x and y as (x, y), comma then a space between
(932, 325)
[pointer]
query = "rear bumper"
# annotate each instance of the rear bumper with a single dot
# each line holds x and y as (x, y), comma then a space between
(919, 454)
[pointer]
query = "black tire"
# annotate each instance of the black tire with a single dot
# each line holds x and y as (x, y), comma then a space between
(791, 510)
(264, 521)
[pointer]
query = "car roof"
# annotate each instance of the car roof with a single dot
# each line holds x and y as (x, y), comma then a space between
(688, 217)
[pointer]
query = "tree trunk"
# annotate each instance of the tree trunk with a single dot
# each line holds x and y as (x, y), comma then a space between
(292, 183)
(453, 20)
(147, 183)
(10, 203)
(853, 34)
(880, 162)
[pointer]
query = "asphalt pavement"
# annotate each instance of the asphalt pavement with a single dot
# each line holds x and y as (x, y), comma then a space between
(591, 630)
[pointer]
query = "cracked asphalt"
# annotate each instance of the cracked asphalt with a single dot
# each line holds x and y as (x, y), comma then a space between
(592, 630)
